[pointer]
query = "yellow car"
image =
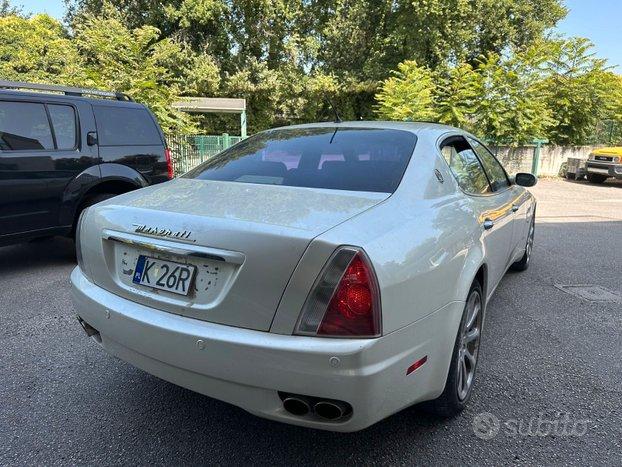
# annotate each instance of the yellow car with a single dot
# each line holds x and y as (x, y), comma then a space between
(604, 163)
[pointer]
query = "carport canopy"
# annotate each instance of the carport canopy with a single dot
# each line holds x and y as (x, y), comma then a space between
(215, 105)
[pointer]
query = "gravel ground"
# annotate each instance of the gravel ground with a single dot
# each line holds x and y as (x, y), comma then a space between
(547, 356)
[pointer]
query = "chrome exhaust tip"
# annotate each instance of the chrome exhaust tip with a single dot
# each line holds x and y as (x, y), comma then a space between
(331, 410)
(296, 406)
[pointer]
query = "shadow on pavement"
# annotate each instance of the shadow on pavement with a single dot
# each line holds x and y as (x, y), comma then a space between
(46, 253)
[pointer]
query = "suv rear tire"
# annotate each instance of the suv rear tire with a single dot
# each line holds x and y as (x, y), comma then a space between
(90, 201)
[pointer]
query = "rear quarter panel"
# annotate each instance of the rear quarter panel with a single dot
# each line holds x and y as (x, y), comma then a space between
(424, 243)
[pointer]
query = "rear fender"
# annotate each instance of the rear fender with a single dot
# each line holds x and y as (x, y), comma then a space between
(89, 179)
(472, 264)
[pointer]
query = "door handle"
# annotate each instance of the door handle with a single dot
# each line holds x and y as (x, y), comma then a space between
(488, 224)
(515, 207)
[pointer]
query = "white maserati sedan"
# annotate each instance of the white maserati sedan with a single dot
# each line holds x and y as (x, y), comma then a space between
(325, 275)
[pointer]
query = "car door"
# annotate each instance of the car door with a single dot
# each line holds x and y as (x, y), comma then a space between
(38, 157)
(26, 144)
(492, 208)
(515, 195)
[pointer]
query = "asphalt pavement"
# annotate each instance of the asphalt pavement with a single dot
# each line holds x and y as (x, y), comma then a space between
(548, 390)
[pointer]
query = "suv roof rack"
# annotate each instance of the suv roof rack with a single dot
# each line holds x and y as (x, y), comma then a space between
(67, 90)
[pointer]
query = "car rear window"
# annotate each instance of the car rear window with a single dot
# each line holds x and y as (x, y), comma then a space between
(357, 159)
(123, 126)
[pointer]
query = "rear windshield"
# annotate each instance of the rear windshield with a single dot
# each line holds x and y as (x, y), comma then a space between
(356, 159)
(124, 126)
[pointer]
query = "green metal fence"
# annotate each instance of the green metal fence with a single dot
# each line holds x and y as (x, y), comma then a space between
(188, 151)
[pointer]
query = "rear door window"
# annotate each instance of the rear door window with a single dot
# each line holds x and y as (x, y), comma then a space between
(465, 166)
(356, 159)
(64, 122)
(496, 173)
(24, 126)
(125, 126)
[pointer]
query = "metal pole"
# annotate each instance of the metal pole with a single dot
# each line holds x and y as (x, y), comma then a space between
(535, 162)
(243, 124)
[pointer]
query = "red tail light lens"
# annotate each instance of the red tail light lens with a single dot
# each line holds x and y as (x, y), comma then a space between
(169, 163)
(345, 301)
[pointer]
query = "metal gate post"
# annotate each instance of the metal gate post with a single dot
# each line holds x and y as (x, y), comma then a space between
(535, 162)
(243, 124)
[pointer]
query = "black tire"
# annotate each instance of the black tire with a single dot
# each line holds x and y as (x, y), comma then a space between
(523, 263)
(90, 201)
(596, 178)
(450, 403)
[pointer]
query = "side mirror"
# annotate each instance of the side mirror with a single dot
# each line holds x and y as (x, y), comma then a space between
(525, 179)
(91, 138)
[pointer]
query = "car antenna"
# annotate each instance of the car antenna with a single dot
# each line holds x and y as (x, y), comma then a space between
(334, 109)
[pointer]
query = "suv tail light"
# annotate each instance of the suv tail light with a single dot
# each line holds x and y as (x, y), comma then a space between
(169, 163)
(345, 299)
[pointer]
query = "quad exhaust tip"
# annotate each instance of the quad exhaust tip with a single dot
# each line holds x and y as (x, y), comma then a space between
(296, 406)
(325, 409)
(330, 410)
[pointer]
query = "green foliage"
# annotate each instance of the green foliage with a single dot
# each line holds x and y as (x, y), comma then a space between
(484, 65)
(104, 54)
(552, 89)
(408, 95)
(456, 95)
(6, 9)
(37, 49)
(581, 91)
(276, 53)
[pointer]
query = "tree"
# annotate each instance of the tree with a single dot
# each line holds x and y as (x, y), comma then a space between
(511, 107)
(357, 42)
(501, 98)
(579, 91)
(408, 94)
(104, 54)
(6, 9)
(38, 49)
(456, 95)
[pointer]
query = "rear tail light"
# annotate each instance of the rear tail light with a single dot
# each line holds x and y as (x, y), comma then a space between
(169, 163)
(345, 299)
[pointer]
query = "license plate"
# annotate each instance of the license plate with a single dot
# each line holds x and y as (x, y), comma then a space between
(164, 275)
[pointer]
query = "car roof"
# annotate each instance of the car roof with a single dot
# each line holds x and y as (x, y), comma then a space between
(430, 129)
(65, 98)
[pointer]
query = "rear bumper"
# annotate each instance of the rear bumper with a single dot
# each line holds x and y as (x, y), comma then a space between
(247, 368)
(605, 168)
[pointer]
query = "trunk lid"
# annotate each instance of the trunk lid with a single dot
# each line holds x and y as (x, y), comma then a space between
(244, 240)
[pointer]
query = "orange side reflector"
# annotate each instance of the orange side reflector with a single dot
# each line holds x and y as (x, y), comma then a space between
(416, 365)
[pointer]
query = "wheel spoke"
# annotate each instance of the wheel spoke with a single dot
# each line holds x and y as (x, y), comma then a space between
(460, 375)
(473, 314)
(469, 356)
(472, 335)
(465, 378)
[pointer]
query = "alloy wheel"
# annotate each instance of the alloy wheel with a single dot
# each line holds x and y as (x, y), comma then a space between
(532, 228)
(469, 345)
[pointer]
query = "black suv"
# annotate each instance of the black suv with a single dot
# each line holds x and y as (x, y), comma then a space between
(61, 151)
